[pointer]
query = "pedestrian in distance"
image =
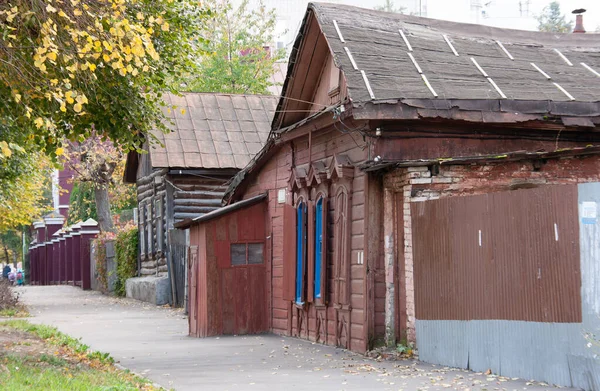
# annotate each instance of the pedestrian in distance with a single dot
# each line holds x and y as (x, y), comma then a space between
(6, 271)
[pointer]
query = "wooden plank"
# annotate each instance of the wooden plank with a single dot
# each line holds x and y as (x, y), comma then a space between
(229, 305)
(289, 252)
(243, 300)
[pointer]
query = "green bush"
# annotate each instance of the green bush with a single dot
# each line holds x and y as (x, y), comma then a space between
(126, 250)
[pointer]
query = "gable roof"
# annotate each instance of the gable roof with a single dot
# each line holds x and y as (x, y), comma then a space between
(433, 64)
(211, 130)
(475, 73)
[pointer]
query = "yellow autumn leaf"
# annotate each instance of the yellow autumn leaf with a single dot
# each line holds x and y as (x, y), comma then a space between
(39, 122)
(50, 8)
(92, 67)
(165, 26)
(81, 98)
(60, 151)
(51, 56)
(54, 81)
(63, 108)
(5, 149)
(182, 111)
(77, 107)
(69, 97)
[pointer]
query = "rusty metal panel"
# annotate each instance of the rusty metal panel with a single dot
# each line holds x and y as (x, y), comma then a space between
(511, 255)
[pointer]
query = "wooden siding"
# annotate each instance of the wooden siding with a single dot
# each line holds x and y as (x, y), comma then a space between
(374, 257)
(330, 88)
(323, 324)
(228, 299)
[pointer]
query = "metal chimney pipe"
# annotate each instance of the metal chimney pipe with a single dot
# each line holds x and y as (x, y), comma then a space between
(579, 21)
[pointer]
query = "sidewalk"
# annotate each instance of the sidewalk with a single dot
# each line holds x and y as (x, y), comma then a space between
(153, 341)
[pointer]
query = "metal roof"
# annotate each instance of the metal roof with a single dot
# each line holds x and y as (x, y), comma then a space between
(392, 56)
(212, 130)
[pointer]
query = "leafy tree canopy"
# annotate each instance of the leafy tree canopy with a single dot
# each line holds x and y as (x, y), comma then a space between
(237, 56)
(98, 166)
(70, 67)
(552, 20)
(24, 178)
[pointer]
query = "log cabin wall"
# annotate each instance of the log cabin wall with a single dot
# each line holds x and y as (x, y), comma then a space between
(152, 220)
(195, 195)
(165, 199)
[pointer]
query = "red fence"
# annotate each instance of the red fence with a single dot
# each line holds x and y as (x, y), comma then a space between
(62, 255)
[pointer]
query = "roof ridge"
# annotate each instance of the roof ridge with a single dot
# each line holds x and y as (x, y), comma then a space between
(222, 94)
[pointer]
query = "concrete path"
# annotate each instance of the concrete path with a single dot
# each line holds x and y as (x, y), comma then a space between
(153, 341)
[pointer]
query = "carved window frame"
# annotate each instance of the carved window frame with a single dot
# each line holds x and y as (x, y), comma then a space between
(301, 250)
(342, 236)
(327, 182)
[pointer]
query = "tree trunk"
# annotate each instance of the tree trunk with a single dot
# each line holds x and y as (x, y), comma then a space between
(105, 221)
(6, 254)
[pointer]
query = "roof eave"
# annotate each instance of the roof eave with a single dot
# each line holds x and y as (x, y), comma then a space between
(221, 211)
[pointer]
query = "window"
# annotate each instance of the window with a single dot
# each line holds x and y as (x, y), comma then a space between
(300, 250)
(142, 229)
(159, 223)
(246, 254)
(149, 231)
(255, 253)
(319, 256)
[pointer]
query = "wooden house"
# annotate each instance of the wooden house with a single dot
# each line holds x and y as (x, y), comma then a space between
(212, 137)
(424, 182)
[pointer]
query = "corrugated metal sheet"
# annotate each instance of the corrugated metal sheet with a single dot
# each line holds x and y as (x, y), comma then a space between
(547, 351)
(211, 130)
(511, 255)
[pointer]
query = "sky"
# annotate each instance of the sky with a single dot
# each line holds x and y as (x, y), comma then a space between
(515, 14)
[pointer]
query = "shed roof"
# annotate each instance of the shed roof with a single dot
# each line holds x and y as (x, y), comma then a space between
(396, 57)
(211, 130)
(221, 211)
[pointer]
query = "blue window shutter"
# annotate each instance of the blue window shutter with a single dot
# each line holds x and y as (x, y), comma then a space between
(299, 252)
(318, 247)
